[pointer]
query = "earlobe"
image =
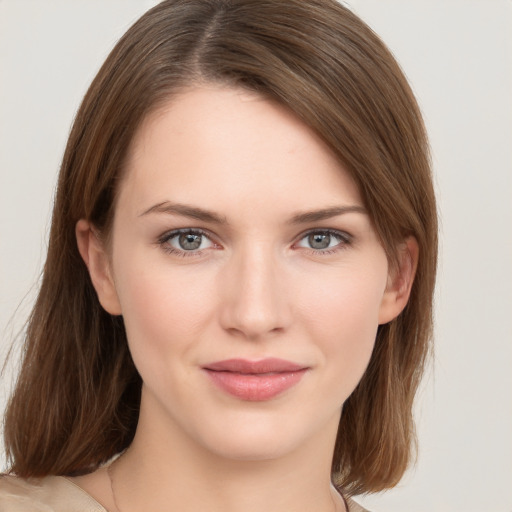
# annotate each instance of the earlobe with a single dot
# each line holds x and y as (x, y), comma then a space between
(97, 261)
(400, 282)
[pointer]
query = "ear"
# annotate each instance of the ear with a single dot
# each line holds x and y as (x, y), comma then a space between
(399, 285)
(97, 261)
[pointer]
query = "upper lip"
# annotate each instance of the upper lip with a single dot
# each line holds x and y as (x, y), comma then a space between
(268, 365)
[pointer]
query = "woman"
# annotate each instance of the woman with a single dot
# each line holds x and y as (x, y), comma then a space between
(236, 304)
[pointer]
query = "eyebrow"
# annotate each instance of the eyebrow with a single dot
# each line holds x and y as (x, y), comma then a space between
(186, 211)
(204, 215)
(325, 213)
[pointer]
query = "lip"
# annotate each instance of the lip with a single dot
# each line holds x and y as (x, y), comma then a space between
(255, 380)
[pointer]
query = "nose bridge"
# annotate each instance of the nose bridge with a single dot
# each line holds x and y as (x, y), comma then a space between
(255, 302)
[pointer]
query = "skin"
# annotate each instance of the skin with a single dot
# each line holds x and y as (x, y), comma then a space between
(255, 288)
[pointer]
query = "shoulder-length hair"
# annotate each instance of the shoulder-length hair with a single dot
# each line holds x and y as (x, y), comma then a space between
(76, 402)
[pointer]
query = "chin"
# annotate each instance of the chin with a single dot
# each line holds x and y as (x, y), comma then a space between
(243, 447)
(264, 435)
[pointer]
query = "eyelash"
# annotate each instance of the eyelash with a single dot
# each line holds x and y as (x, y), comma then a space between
(163, 241)
(344, 240)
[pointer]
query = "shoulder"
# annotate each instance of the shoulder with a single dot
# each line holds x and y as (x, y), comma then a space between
(58, 494)
(353, 506)
(49, 494)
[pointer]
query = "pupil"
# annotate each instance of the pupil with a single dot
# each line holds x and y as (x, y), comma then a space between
(189, 241)
(319, 240)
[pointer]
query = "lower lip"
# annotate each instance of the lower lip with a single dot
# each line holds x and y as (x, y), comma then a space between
(255, 387)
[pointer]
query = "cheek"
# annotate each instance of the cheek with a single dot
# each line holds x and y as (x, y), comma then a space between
(342, 316)
(163, 311)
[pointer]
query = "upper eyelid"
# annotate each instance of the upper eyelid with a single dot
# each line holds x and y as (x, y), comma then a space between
(163, 241)
(339, 232)
(174, 232)
(205, 232)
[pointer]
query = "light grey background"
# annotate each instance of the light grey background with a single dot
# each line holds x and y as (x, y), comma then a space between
(458, 57)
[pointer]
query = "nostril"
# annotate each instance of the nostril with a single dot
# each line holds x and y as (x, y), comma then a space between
(252, 303)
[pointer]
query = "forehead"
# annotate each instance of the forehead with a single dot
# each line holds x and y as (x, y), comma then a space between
(221, 142)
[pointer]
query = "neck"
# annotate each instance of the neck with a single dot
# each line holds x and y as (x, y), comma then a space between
(165, 470)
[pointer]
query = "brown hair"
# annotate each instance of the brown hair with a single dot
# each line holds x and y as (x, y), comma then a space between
(77, 397)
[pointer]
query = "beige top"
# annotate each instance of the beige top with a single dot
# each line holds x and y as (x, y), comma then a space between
(58, 494)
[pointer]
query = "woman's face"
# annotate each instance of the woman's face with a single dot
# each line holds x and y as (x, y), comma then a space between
(248, 274)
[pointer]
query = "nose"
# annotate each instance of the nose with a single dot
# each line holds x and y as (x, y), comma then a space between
(255, 302)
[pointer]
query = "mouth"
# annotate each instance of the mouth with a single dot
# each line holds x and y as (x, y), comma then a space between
(255, 380)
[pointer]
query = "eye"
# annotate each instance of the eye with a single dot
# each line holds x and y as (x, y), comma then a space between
(324, 241)
(186, 240)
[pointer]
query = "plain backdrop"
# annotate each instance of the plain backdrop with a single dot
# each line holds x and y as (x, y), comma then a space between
(458, 57)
